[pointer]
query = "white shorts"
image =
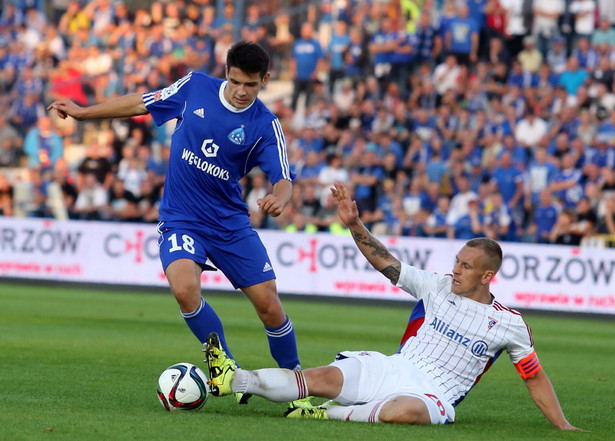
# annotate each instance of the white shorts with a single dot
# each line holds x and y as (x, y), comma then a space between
(372, 376)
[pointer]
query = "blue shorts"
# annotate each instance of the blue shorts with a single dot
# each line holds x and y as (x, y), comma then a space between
(241, 255)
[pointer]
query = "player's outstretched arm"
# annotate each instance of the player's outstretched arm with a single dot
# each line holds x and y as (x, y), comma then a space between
(373, 250)
(542, 393)
(122, 107)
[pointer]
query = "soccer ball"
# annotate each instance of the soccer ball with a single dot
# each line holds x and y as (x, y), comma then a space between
(183, 386)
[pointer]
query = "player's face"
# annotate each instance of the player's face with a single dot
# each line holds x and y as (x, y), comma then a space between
(469, 274)
(242, 88)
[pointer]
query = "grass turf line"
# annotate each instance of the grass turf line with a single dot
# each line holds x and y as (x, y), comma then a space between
(81, 364)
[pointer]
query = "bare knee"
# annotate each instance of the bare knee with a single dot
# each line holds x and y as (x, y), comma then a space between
(405, 410)
(272, 315)
(188, 296)
(264, 298)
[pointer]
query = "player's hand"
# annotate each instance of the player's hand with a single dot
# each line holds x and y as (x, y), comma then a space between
(66, 108)
(569, 426)
(271, 205)
(346, 207)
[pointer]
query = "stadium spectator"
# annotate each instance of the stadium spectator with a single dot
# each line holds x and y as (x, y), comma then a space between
(258, 190)
(461, 38)
(428, 43)
(545, 25)
(539, 173)
(530, 57)
(460, 200)
(435, 225)
(202, 205)
(91, 199)
(495, 20)
(566, 183)
(515, 25)
(586, 219)
(556, 56)
(338, 46)
(149, 201)
(384, 219)
(563, 232)
(584, 16)
(543, 218)
(382, 44)
(606, 223)
(530, 130)
(43, 146)
(95, 162)
(499, 222)
(66, 190)
(332, 172)
(6, 196)
(73, 20)
(305, 64)
(446, 75)
(469, 225)
(402, 57)
(416, 398)
(10, 144)
(573, 76)
(25, 112)
(131, 170)
(587, 56)
(122, 205)
(603, 34)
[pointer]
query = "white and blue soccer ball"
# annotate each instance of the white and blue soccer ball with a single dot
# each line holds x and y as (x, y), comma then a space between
(183, 386)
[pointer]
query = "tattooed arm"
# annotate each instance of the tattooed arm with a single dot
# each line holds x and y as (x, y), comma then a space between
(373, 250)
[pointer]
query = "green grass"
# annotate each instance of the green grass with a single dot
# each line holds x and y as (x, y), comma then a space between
(82, 364)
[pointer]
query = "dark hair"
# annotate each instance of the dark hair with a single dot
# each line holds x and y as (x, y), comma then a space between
(492, 249)
(249, 57)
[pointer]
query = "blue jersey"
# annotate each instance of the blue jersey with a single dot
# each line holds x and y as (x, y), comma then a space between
(213, 146)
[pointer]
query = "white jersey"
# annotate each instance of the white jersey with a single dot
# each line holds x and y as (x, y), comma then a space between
(454, 340)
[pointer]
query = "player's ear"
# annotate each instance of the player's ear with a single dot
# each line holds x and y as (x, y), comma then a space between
(265, 79)
(488, 277)
(226, 71)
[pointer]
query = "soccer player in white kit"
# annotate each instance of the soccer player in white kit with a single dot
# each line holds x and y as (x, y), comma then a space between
(456, 331)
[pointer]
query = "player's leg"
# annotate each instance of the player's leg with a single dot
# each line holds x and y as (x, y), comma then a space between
(183, 256)
(246, 264)
(184, 276)
(376, 388)
(405, 410)
(274, 384)
(278, 327)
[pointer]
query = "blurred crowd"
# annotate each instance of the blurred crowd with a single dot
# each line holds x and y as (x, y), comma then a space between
(446, 118)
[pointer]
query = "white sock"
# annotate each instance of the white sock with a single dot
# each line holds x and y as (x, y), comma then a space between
(275, 384)
(366, 413)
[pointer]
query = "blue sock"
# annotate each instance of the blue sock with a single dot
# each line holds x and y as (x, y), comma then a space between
(283, 345)
(204, 321)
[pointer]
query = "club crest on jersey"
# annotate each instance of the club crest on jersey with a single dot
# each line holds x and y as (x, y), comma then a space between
(491, 323)
(237, 136)
(209, 148)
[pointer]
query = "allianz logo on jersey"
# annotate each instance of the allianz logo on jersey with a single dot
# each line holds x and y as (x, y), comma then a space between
(478, 348)
(442, 327)
(207, 167)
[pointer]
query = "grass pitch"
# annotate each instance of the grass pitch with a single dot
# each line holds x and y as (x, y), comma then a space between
(82, 364)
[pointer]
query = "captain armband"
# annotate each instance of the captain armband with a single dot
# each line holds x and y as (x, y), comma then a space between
(528, 366)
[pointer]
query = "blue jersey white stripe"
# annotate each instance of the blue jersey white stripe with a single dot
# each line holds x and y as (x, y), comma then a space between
(277, 128)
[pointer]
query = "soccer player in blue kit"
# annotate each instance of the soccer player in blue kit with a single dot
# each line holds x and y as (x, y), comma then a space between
(222, 131)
